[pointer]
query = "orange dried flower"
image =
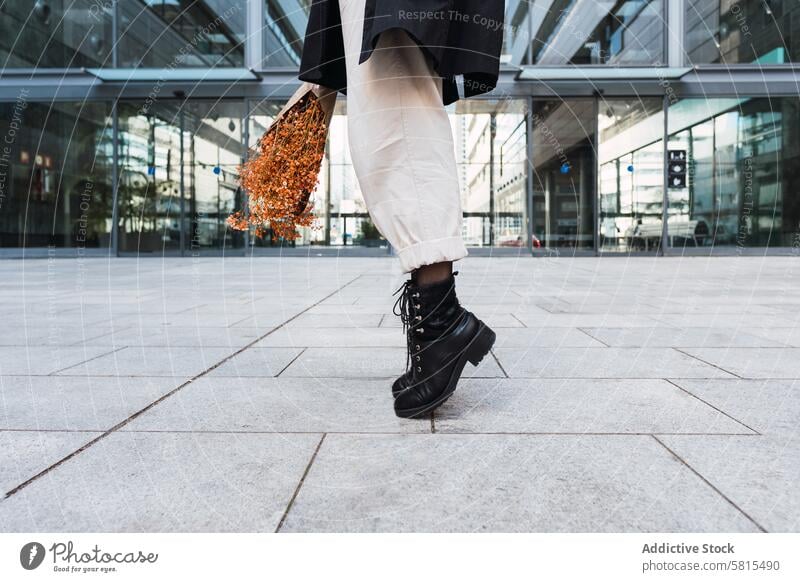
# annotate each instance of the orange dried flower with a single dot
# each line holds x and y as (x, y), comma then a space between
(283, 171)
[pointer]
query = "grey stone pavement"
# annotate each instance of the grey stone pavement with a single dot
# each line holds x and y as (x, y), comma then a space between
(210, 394)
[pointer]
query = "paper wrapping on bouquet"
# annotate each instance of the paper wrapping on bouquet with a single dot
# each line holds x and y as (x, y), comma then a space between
(282, 170)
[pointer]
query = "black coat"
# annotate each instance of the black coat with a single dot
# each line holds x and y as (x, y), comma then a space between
(463, 37)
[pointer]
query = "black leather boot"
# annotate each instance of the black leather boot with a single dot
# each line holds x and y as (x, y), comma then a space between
(441, 337)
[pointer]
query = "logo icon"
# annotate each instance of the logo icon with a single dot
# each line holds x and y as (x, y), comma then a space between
(31, 555)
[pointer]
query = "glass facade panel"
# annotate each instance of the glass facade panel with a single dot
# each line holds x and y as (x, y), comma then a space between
(55, 174)
(598, 32)
(753, 31)
(55, 33)
(168, 33)
(149, 177)
(491, 153)
(743, 180)
(491, 145)
(563, 173)
(284, 28)
(631, 161)
(213, 149)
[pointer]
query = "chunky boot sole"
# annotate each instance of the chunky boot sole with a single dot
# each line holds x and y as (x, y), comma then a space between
(474, 353)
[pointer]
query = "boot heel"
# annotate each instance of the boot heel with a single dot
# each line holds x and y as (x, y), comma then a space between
(481, 345)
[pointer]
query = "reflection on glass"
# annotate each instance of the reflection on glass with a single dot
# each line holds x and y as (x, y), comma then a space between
(491, 150)
(598, 32)
(55, 33)
(149, 177)
(167, 33)
(491, 144)
(743, 172)
(55, 174)
(723, 31)
(213, 150)
(284, 29)
(563, 179)
(631, 161)
(342, 217)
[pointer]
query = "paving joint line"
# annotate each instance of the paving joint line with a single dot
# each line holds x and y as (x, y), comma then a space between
(138, 413)
(294, 359)
(710, 484)
(712, 406)
(300, 483)
(114, 351)
(519, 320)
(496, 359)
(580, 329)
(88, 339)
(708, 363)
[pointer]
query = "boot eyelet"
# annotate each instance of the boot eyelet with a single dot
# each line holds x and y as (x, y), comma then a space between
(417, 306)
(415, 295)
(419, 369)
(418, 318)
(418, 358)
(418, 348)
(420, 330)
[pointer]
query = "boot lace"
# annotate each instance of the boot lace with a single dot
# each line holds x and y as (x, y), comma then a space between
(407, 309)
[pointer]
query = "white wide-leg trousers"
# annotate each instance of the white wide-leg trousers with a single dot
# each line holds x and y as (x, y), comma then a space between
(401, 144)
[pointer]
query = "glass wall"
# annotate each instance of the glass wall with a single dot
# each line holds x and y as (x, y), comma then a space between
(284, 29)
(750, 31)
(631, 160)
(178, 175)
(491, 153)
(55, 174)
(149, 177)
(743, 172)
(213, 150)
(598, 32)
(563, 173)
(166, 33)
(152, 33)
(55, 33)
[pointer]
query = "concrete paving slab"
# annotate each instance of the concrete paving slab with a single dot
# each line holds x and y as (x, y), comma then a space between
(662, 337)
(603, 363)
(257, 363)
(166, 482)
(331, 337)
(753, 362)
(760, 475)
(174, 362)
(579, 406)
(178, 336)
(37, 360)
(788, 336)
(505, 483)
(369, 363)
(75, 403)
(545, 337)
(534, 320)
(336, 320)
(771, 407)
(279, 405)
(23, 454)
